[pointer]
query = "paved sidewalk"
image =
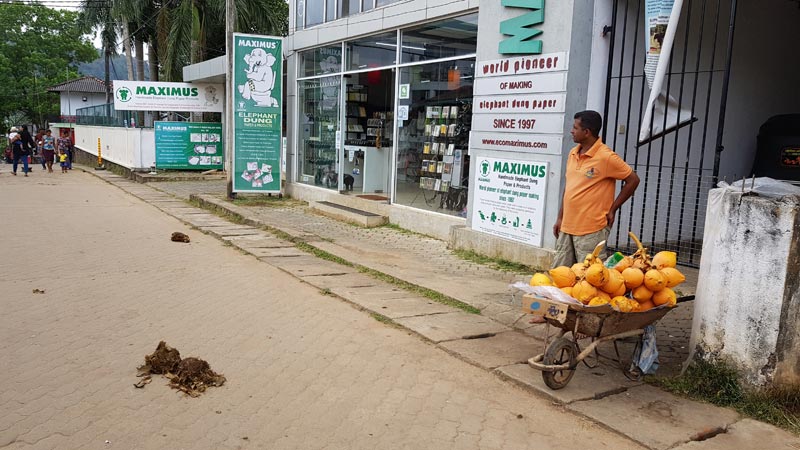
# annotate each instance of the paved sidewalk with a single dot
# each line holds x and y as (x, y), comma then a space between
(304, 371)
(488, 341)
(426, 262)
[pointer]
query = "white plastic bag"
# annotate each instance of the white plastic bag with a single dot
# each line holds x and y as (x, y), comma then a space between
(768, 187)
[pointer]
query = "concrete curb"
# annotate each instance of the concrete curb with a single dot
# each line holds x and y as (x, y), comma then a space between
(580, 406)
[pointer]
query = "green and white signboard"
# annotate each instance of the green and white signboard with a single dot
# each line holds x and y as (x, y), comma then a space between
(189, 145)
(257, 108)
(510, 199)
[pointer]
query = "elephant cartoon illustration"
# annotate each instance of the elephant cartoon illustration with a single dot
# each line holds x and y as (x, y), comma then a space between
(260, 78)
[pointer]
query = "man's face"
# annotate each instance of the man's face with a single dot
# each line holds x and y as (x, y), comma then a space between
(578, 132)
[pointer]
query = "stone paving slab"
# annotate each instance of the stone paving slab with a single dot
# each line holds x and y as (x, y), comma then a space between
(504, 313)
(655, 418)
(747, 434)
(451, 326)
(262, 240)
(500, 350)
(586, 383)
(300, 267)
(272, 252)
(232, 231)
(338, 279)
(367, 291)
(396, 308)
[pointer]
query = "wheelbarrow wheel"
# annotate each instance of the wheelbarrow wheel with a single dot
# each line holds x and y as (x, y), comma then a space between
(560, 351)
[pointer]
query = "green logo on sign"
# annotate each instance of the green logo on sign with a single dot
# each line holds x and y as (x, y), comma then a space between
(485, 168)
(124, 94)
(521, 28)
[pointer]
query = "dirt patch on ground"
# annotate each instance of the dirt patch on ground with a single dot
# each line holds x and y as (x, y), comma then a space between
(190, 375)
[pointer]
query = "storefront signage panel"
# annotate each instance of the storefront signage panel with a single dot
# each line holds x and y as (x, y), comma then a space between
(188, 145)
(509, 199)
(519, 123)
(519, 103)
(550, 62)
(522, 84)
(546, 144)
(257, 90)
(521, 29)
(163, 96)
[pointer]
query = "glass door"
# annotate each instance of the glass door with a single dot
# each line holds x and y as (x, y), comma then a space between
(319, 104)
(368, 133)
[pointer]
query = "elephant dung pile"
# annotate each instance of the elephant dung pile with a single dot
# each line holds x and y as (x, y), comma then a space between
(189, 375)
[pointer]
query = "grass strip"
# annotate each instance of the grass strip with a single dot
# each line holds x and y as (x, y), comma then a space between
(495, 263)
(322, 254)
(423, 291)
(401, 230)
(719, 384)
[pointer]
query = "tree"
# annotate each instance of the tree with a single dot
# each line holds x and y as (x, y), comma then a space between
(197, 29)
(39, 47)
(99, 14)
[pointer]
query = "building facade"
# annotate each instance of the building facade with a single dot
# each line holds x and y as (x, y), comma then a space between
(452, 117)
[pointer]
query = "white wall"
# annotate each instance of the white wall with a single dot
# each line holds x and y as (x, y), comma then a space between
(745, 313)
(133, 148)
(72, 101)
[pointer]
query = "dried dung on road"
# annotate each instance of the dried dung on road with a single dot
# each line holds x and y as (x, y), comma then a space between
(190, 375)
(179, 237)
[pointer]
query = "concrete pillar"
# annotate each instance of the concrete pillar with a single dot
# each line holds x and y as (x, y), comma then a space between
(747, 311)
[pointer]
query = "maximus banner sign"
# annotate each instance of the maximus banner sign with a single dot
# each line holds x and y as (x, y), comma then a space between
(257, 98)
(188, 145)
(158, 96)
(510, 199)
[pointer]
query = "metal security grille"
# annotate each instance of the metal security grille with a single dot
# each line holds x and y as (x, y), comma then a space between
(677, 169)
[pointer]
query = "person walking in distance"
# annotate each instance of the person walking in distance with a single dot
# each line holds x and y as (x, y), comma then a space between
(38, 140)
(65, 143)
(62, 158)
(17, 151)
(48, 150)
(588, 207)
(28, 144)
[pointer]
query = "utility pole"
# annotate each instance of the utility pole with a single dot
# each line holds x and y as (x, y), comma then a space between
(230, 26)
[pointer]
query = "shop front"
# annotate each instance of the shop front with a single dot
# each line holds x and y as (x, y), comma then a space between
(385, 118)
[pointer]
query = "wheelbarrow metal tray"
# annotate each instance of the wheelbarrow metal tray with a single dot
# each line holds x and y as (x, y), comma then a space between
(607, 321)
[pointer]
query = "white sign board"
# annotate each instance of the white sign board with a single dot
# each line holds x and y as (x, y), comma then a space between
(164, 96)
(547, 144)
(519, 103)
(550, 62)
(509, 199)
(522, 84)
(519, 123)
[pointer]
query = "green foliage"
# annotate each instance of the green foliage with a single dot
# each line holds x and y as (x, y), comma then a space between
(39, 47)
(194, 30)
(719, 384)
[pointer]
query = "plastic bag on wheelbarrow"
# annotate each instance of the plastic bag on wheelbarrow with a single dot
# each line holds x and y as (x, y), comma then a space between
(645, 360)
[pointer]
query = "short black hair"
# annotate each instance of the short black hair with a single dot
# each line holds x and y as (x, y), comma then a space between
(592, 120)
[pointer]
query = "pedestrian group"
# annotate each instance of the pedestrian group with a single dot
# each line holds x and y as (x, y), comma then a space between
(23, 146)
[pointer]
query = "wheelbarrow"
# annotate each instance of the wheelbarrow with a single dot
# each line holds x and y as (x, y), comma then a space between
(602, 323)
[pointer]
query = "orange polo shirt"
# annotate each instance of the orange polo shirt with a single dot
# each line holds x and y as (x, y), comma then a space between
(591, 181)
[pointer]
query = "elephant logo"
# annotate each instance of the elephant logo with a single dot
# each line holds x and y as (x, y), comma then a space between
(211, 96)
(260, 78)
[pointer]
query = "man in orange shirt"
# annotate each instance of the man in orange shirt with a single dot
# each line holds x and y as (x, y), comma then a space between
(588, 208)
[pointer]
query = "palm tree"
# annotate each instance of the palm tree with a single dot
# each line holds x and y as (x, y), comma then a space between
(197, 29)
(98, 14)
